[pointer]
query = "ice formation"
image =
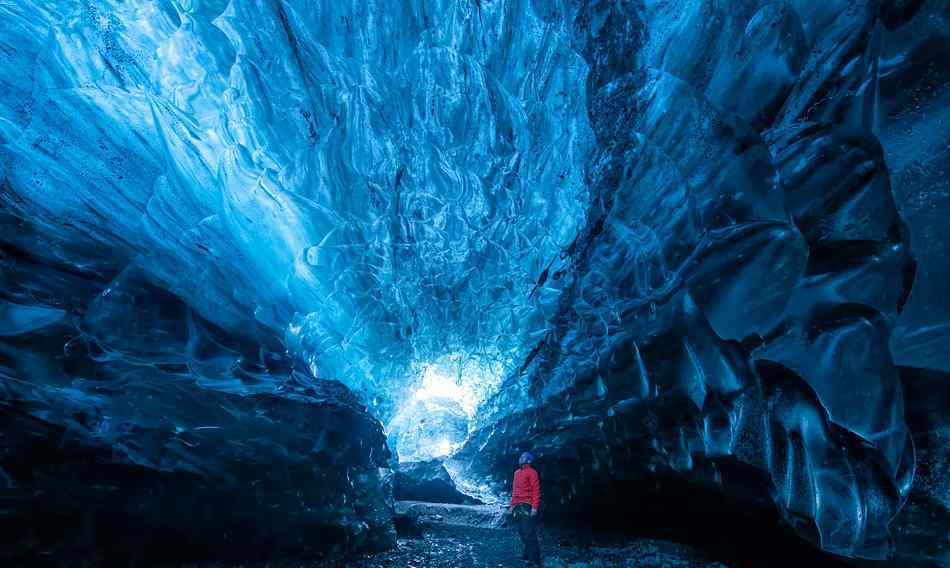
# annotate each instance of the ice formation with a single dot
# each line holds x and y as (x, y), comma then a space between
(238, 237)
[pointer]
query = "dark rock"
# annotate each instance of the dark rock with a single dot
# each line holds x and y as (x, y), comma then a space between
(428, 481)
(139, 464)
(407, 524)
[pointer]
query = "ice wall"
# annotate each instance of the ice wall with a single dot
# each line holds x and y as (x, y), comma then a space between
(375, 184)
(210, 209)
(670, 220)
(727, 312)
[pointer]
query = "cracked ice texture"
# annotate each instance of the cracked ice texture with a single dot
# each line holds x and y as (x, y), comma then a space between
(209, 207)
(356, 178)
(734, 291)
(679, 209)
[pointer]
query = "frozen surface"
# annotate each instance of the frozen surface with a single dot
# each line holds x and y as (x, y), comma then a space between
(435, 417)
(639, 236)
(914, 131)
(728, 311)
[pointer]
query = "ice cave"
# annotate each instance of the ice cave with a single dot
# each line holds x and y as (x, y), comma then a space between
(304, 282)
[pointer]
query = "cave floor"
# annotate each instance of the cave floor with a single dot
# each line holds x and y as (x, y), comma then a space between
(467, 536)
(462, 546)
(458, 546)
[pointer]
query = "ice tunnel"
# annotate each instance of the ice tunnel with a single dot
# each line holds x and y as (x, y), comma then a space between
(437, 413)
(264, 262)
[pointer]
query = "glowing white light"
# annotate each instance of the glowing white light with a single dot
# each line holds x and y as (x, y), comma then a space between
(452, 377)
(464, 381)
(436, 385)
(443, 448)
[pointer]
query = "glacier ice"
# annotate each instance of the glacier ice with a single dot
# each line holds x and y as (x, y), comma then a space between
(702, 237)
(753, 332)
(435, 417)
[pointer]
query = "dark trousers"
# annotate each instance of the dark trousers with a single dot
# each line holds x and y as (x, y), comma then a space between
(528, 529)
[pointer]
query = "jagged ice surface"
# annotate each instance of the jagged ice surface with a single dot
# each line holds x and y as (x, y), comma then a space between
(674, 234)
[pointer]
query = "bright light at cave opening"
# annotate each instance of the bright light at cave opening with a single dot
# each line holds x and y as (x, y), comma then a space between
(435, 417)
(435, 385)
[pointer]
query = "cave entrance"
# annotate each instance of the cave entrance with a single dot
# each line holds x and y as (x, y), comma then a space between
(437, 411)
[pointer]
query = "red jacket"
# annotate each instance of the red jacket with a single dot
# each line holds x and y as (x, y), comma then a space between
(526, 487)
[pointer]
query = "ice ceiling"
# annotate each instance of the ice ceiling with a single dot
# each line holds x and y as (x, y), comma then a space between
(375, 190)
(470, 207)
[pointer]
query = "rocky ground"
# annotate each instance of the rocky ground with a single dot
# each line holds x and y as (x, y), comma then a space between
(466, 536)
(473, 547)
(445, 545)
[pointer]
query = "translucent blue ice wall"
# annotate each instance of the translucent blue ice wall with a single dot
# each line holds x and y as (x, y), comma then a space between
(745, 287)
(377, 183)
(365, 186)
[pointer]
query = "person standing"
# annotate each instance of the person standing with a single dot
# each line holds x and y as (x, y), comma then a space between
(525, 501)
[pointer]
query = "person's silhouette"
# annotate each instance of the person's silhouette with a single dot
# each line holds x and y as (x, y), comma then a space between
(525, 501)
